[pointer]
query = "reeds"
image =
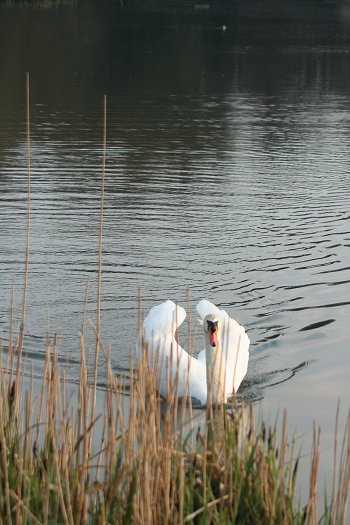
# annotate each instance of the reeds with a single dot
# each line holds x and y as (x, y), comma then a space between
(147, 462)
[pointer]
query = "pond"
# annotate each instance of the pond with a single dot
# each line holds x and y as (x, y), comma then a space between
(228, 178)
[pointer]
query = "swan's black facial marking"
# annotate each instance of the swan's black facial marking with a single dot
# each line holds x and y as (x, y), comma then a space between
(212, 326)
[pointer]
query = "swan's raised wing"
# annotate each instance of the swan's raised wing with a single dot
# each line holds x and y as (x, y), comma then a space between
(176, 369)
(158, 334)
(234, 342)
(163, 320)
(205, 308)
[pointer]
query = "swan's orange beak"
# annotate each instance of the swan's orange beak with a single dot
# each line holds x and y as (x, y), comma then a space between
(213, 338)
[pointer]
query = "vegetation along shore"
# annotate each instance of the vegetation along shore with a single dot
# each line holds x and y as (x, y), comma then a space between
(75, 454)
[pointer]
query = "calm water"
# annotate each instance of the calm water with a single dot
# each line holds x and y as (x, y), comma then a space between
(228, 174)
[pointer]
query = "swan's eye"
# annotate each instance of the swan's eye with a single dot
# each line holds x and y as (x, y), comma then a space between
(212, 326)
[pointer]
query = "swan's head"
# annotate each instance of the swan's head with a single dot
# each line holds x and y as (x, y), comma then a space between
(211, 326)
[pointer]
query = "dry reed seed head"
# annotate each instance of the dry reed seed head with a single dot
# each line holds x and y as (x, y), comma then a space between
(12, 394)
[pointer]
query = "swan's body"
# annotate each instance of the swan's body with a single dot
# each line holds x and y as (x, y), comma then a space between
(219, 369)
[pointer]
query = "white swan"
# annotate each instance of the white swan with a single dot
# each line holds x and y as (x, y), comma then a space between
(221, 366)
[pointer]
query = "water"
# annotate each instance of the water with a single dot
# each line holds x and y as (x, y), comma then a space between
(227, 178)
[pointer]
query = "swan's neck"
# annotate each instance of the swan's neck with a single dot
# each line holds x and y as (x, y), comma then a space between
(215, 375)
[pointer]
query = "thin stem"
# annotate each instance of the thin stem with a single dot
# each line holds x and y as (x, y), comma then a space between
(25, 285)
(99, 278)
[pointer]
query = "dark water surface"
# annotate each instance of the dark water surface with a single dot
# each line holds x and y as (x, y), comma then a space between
(228, 173)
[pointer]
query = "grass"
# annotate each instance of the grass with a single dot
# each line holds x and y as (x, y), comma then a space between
(66, 459)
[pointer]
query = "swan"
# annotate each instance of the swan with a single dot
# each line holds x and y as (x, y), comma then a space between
(216, 373)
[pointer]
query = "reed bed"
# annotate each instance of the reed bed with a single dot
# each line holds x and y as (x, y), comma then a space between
(147, 460)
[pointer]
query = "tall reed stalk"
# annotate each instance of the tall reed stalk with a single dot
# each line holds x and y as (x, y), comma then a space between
(99, 270)
(26, 264)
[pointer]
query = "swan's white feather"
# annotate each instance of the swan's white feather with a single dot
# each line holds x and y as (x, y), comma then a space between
(205, 307)
(175, 365)
(165, 318)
